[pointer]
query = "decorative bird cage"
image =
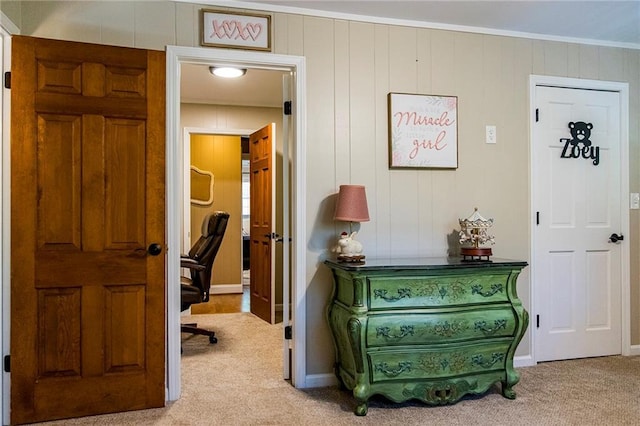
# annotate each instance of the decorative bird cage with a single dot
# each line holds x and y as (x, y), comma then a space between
(474, 234)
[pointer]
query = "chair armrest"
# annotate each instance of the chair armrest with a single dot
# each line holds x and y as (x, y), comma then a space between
(191, 264)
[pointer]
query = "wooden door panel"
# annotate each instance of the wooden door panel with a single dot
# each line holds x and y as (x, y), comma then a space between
(59, 332)
(90, 79)
(125, 82)
(87, 199)
(124, 197)
(58, 160)
(124, 344)
(262, 254)
(59, 77)
(93, 187)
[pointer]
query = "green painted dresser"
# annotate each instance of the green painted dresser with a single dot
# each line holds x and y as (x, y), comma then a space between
(432, 329)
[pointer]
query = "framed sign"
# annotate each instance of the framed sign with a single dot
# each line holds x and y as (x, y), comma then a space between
(236, 30)
(423, 131)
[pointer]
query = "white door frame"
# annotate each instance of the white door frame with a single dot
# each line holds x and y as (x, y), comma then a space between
(176, 55)
(7, 28)
(623, 90)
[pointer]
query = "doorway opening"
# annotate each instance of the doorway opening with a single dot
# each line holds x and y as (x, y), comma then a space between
(294, 257)
(217, 177)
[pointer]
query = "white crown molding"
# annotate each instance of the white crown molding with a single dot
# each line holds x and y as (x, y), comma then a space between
(8, 24)
(409, 23)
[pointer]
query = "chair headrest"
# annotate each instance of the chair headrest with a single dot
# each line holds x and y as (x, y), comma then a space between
(205, 224)
(212, 221)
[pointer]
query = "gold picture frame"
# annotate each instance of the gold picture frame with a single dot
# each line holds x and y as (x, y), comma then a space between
(201, 186)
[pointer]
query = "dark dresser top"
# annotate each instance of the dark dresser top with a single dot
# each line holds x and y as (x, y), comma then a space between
(422, 263)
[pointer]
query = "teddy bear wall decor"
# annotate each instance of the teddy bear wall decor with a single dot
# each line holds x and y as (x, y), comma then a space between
(580, 144)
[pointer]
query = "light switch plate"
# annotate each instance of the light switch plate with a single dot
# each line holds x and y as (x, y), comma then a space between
(491, 134)
(634, 201)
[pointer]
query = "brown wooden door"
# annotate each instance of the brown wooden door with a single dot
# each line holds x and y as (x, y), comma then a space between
(261, 147)
(87, 199)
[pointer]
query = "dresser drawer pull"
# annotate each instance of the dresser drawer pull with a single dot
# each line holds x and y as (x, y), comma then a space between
(383, 368)
(497, 325)
(479, 360)
(495, 288)
(405, 330)
(402, 293)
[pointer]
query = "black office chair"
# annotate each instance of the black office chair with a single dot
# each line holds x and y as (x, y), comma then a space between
(200, 263)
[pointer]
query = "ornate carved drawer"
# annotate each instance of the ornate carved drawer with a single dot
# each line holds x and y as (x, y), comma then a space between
(432, 329)
(416, 292)
(440, 327)
(437, 363)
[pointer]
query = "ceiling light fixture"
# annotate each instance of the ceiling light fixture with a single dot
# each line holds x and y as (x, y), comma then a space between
(227, 72)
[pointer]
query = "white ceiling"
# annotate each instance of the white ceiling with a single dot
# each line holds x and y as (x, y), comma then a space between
(610, 23)
(261, 88)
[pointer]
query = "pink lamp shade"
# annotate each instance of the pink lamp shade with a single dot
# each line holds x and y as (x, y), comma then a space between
(352, 204)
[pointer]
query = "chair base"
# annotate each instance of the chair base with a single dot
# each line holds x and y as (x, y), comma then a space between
(193, 329)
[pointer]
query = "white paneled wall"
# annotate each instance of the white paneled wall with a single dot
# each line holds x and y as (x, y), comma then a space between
(351, 67)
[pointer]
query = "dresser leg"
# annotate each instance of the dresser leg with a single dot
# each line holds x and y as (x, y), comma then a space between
(362, 408)
(507, 391)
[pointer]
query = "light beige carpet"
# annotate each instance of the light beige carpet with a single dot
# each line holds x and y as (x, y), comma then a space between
(238, 382)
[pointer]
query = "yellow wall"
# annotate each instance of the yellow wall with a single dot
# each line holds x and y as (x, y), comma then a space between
(221, 155)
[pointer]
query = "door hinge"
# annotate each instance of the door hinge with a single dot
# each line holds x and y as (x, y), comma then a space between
(287, 107)
(7, 363)
(7, 80)
(288, 332)
(537, 115)
(537, 218)
(537, 321)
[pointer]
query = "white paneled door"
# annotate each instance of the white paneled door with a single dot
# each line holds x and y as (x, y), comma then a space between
(578, 266)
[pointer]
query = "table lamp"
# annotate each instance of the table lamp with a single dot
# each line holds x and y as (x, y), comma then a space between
(351, 206)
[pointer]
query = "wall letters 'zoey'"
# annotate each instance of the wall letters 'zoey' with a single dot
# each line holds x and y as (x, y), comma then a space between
(579, 145)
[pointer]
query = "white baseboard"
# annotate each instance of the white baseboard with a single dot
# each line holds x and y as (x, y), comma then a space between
(635, 350)
(329, 379)
(320, 380)
(528, 361)
(523, 361)
(225, 288)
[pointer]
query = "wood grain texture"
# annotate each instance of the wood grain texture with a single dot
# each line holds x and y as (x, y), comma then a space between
(261, 222)
(88, 163)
